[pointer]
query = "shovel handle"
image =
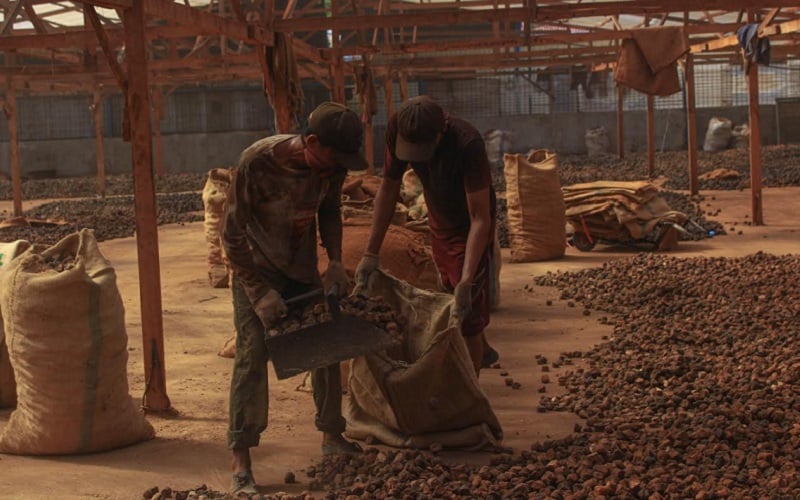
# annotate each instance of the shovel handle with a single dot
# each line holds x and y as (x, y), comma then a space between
(304, 297)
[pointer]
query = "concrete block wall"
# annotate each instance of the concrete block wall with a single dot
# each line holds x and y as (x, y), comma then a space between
(559, 132)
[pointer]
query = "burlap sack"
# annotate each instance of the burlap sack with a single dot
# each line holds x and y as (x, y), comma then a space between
(8, 385)
(536, 220)
(68, 346)
(215, 193)
(403, 253)
(718, 134)
(424, 391)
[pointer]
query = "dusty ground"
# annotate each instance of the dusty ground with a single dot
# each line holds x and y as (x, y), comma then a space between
(189, 450)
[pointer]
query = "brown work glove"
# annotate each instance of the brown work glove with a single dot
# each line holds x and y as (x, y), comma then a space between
(462, 306)
(366, 267)
(270, 308)
(336, 275)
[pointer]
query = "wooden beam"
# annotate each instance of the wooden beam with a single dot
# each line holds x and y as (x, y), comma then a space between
(9, 15)
(443, 18)
(768, 18)
(138, 100)
(97, 118)
(35, 20)
(733, 40)
(102, 38)
(691, 124)
(10, 109)
(207, 22)
(755, 139)
(620, 122)
(110, 4)
(450, 14)
(651, 137)
(158, 112)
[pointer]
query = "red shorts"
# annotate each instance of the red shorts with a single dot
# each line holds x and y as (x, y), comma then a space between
(448, 253)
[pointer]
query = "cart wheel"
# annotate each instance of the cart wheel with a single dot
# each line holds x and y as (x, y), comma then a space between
(582, 243)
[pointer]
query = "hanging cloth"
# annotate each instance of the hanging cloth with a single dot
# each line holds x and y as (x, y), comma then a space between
(756, 49)
(648, 60)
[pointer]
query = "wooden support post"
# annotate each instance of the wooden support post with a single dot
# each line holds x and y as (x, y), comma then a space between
(155, 396)
(158, 112)
(403, 86)
(755, 137)
(339, 94)
(388, 91)
(755, 140)
(691, 124)
(369, 142)
(10, 109)
(651, 137)
(97, 118)
(620, 123)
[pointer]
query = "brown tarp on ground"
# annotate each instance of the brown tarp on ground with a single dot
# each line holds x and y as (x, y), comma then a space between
(617, 210)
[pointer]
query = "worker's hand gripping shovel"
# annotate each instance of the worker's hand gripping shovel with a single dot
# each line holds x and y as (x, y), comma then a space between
(343, 337)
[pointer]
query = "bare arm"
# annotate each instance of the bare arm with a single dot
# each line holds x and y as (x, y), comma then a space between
(330, 219)
(478, 203)
(385, 202)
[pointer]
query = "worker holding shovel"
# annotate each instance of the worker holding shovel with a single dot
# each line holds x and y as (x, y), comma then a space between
(281, 187)
(449, 157)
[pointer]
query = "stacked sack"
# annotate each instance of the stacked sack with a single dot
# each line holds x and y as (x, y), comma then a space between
(536, 211)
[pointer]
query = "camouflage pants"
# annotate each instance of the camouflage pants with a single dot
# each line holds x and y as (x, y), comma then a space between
(249, 402)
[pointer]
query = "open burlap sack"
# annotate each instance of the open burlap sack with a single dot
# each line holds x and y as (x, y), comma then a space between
(8, 385)
(536, 219)
(67, 343)
(403, 253)
(424, 391)
(215, 193)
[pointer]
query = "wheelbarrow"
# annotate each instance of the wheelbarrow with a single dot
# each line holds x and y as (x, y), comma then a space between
(663, 234)
(343, 337)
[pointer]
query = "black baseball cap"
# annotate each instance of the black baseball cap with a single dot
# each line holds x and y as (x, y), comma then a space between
(419, 121)
(339, 128)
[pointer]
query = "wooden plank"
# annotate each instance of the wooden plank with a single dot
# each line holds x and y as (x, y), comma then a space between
(691, 124)
(97, 118)
(138, 101)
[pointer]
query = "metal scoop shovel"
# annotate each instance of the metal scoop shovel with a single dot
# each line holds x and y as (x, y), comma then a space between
(344, 337)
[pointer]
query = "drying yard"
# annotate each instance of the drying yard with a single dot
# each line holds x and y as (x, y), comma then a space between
(645, 157)
(638, 373)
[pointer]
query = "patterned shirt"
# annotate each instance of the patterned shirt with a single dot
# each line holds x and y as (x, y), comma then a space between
(274, 204)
